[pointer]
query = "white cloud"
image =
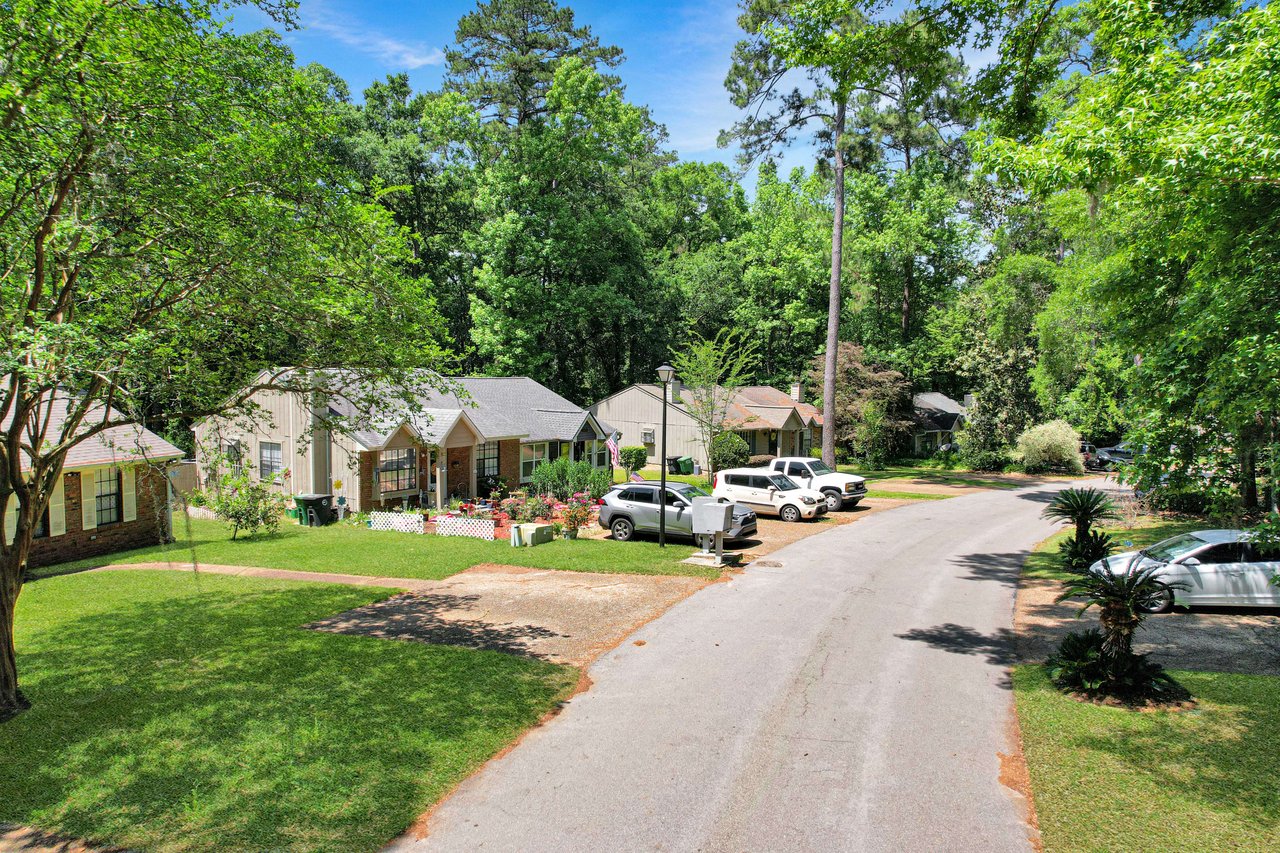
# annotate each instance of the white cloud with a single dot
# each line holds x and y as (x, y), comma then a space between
(398, 53)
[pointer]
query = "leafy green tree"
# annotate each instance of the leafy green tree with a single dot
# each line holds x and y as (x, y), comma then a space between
(713, 369)
(175, 225)
(1164, 128)
(507, 52)
(873, 403)
(563, 291)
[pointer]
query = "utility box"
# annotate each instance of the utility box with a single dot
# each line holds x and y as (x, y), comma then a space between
(535, 534)
(711, 516)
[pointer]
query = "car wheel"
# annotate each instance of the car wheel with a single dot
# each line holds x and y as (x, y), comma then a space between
(623, 529)
(789, 513)
(1160, 601)
(834, 502)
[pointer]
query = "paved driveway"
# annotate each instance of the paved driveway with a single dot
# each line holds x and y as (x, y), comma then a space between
(854, 697)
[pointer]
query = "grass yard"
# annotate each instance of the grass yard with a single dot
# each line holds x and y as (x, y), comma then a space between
(181, 712)
(1043, 561)
(355, 550)
(699, 480)
(1113, 779)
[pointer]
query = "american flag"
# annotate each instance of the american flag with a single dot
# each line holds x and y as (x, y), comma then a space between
(613, 451)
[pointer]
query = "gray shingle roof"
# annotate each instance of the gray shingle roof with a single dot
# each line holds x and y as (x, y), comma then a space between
(498, 406)
(117, 445)
(936, 411)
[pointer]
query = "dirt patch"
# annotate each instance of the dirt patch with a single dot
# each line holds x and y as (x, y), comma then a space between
(1214, 639)
(1015, 776)
(562, 617)
(24, 839)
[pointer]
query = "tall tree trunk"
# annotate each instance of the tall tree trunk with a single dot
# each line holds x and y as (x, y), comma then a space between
(834, 299)
(1249, 476)
(11, 698)
(908, 285)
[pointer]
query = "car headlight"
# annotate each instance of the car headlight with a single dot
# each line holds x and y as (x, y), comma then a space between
(810, 501)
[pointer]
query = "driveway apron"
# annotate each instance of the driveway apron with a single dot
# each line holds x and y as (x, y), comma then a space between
(848, 693)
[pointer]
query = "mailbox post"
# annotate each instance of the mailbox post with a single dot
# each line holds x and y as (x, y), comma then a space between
(713, 518)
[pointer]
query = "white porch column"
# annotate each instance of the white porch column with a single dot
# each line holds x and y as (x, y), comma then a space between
(441, 467)
(475, 453)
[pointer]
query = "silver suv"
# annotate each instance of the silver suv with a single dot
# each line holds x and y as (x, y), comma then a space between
(629, 508)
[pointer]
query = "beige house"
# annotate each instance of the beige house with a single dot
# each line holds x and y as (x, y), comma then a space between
(772, 422)
(457, 445)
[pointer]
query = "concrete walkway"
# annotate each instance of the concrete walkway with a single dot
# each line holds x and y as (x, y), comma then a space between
(851, 695)
(275, 574)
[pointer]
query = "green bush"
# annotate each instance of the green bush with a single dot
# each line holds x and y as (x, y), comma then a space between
(760, 460)
(1078, 555)
(1082, 664)
(633, 457)
(984, 460)
(729, 450)
(248, 506)
(564, 477)
(1054, 446)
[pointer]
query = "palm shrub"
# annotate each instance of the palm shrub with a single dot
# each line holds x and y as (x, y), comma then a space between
(1083, 508)
(1122, 599)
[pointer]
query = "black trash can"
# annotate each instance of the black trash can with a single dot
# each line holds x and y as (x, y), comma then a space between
(673, 464)
(315, 510)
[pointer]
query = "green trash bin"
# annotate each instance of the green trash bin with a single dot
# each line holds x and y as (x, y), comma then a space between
(686, 464)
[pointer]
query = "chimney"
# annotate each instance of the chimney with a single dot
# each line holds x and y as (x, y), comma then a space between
(795, 391)
(969, 400)
(673, 390)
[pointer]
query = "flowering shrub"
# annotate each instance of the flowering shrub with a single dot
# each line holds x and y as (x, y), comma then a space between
(539, 506)
(577, 510)
(248, 506)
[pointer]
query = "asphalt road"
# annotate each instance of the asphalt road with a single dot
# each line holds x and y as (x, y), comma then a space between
(853, 697)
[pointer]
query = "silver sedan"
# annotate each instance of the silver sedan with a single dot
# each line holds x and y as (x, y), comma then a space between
(1214, 567)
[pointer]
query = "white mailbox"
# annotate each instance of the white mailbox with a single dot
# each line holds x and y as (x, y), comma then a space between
(711, 516)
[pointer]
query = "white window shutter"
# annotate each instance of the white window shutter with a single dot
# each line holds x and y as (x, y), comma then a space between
(58, 509)
(88, 501)
(128, 494)
(11, 519)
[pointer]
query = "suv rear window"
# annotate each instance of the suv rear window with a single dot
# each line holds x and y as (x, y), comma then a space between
(758, 482)
(738, 480)
(637, 495)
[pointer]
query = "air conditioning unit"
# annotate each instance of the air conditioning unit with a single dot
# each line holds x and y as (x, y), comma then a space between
(646, 435)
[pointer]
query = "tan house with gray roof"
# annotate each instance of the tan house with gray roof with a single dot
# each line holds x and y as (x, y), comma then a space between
(772, 422)
(456, 444)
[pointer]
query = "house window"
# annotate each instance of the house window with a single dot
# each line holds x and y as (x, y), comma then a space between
(487, 459)
(107, 489)
(231, 450)
(531, 456)
(601, 454)
(42, 525)
(398, 470)
(270, 460)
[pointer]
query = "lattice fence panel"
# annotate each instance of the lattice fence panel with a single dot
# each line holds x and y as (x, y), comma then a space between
(201, 512)
(474, 528)
(401, 522)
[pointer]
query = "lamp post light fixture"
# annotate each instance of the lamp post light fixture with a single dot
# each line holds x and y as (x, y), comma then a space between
(666, 373)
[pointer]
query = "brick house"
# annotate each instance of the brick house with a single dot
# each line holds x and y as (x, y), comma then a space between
(455, 445)
(113, 495)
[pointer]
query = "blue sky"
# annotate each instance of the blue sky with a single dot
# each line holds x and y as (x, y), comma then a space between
(677, 53)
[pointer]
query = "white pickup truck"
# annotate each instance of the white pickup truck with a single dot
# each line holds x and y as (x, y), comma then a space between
(840, 490)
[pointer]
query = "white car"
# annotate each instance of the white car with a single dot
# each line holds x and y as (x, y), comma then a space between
(1216, 567)
(838, 490)
(768, 492)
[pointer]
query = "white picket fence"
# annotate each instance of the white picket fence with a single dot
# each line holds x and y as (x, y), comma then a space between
(458, 525)
(401, 522)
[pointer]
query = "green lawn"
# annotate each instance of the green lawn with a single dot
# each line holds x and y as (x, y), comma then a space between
(699, 480)
(349, 549)
(1043, 561)
(937, 476)
(185, 712)
(1115, 779)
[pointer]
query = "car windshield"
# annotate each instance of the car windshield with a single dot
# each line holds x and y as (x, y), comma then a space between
(819, 468)
(1172, 549)
(694, 492)
(784, 484)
